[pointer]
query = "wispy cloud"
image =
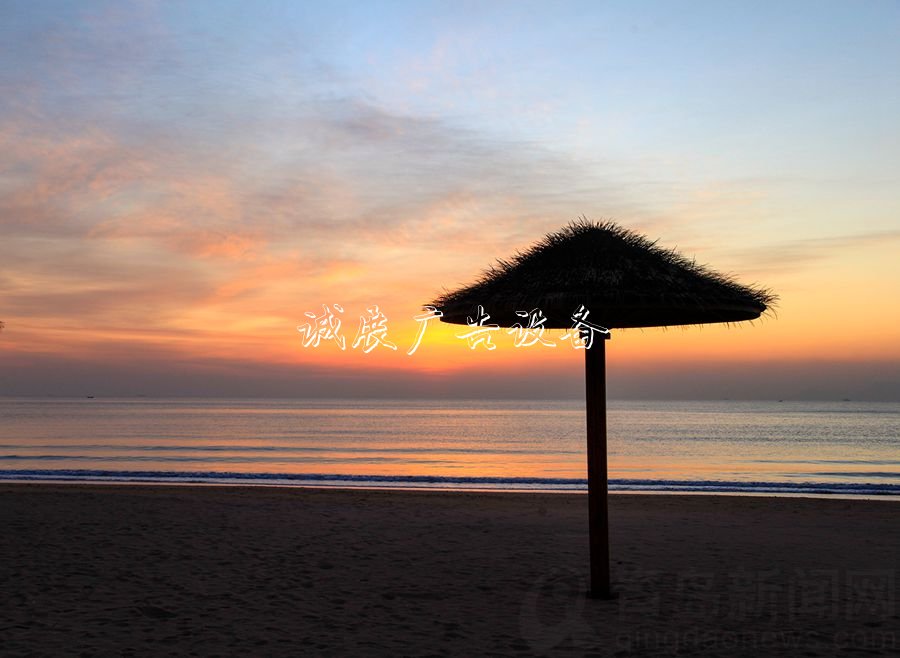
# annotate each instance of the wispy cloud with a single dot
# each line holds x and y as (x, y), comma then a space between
(207, 210)
(796, 255)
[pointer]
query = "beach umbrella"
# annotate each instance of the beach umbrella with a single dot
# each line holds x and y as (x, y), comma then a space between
(589, 278)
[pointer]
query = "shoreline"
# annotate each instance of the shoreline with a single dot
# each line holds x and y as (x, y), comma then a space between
(887, 497)
(430, 486)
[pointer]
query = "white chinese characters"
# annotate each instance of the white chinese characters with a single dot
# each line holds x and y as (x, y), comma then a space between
(372, 331)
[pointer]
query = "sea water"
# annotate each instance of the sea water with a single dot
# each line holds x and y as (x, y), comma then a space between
(714, 446)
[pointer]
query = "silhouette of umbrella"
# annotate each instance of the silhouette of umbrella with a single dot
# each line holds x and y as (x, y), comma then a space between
(592, 277)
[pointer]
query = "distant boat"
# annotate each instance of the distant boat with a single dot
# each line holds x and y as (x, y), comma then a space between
(90, 397)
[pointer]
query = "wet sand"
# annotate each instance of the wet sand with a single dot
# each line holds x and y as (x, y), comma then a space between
(230, 571)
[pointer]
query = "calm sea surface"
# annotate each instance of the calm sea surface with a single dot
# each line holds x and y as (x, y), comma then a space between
(752, 447)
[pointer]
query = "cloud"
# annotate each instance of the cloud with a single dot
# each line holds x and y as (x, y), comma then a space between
(60, 281)
(161, 370)
(162, 186)
(105, 214)
(798, 254)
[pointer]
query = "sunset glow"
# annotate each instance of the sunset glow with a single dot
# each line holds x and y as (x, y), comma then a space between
(180, 184)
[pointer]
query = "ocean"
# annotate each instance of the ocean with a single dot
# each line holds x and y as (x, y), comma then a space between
(835, 448)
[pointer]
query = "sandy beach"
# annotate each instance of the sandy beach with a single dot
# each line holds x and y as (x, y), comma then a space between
(203, 571)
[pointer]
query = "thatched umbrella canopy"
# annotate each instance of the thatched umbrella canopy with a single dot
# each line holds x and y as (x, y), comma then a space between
(623, 280)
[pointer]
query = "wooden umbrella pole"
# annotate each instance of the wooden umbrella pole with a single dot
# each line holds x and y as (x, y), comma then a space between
(595, 392)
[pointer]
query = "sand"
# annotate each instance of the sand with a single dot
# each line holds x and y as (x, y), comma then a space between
(181, 571)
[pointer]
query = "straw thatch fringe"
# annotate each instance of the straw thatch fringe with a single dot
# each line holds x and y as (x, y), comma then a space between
(623, 278)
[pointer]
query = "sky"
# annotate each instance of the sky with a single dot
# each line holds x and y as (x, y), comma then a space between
(182, 182)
